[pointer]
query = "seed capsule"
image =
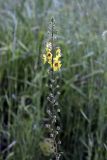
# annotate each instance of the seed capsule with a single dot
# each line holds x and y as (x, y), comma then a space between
(56, 104)
(51, 135)
(58, 93)
(58, 128)
(57, 132)
(48, 111)
(47, 125)
(52, 80)
(59, 142)
(58, 110)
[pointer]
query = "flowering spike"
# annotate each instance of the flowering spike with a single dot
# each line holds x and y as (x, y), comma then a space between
(52, 57)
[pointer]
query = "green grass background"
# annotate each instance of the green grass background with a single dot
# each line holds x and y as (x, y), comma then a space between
(82, 36)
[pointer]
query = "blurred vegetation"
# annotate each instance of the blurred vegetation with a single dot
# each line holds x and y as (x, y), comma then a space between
(82, 36)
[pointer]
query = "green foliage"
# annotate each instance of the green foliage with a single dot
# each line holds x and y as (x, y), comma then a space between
(83, 39)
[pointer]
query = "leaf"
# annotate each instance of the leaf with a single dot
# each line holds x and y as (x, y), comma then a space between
(78, 90)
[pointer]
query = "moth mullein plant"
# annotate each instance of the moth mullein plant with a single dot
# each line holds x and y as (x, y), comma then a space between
(50, 146)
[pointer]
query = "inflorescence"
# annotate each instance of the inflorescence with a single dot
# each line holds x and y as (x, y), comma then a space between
(50, 146)
(55, 64)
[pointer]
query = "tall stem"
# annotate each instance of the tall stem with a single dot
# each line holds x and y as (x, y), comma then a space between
(52, 40)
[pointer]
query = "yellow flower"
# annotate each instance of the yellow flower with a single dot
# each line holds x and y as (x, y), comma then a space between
(56, 58)
(56, 65)
(47, 146)
(44, 58)
(49, 57)
(58, 52)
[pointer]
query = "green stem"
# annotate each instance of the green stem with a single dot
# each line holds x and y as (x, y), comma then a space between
(52, 20)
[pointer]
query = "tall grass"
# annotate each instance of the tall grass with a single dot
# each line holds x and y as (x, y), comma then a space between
(82, 29)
